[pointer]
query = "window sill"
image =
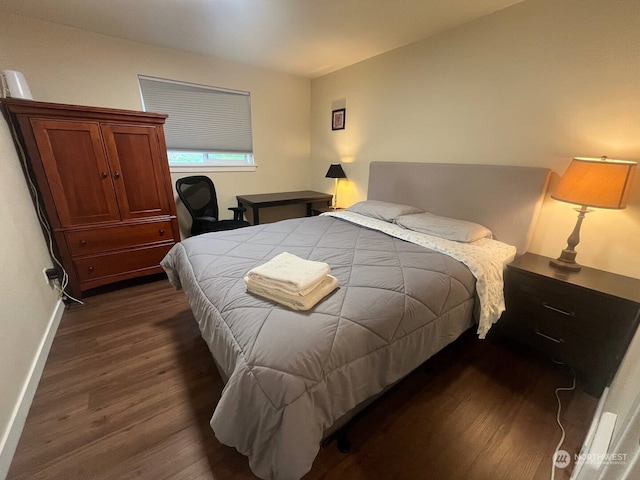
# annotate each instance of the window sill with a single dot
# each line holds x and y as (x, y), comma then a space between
(213, 168)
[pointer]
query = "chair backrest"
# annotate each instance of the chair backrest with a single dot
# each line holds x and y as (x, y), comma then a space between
(198, 195)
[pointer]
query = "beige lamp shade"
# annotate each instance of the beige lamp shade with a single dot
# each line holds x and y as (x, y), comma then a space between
(596, 182)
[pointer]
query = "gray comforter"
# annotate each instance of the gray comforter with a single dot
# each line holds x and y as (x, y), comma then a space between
(292, 374)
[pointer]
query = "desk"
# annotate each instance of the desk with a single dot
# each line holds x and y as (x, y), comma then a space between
(263, 200)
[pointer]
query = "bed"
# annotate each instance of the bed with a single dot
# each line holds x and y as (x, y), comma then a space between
(291, 378)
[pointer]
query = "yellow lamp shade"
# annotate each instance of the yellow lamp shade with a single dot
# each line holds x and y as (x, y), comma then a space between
(596, 182)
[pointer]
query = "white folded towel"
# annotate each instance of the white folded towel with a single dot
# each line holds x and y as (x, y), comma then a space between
(289, 274)
(294, 301)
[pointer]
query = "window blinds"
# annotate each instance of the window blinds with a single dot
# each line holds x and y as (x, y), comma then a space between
(200, 118)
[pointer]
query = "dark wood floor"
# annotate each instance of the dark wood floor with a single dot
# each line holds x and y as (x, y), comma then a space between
(129, 388)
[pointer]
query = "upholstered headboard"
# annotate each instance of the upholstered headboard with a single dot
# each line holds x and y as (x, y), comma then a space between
(505, 199)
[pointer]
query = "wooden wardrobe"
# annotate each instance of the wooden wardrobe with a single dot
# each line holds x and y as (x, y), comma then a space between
(103, 181)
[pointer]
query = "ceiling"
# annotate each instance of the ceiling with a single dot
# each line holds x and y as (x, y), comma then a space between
(302, 37)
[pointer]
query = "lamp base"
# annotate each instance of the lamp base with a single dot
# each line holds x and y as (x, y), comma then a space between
(334, 204)
(566, 261)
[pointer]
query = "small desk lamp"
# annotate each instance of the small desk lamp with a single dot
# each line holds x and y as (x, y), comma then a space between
(591, 182)
(335, 171)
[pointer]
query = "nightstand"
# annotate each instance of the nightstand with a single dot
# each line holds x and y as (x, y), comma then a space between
(319, 210)
(585, 319)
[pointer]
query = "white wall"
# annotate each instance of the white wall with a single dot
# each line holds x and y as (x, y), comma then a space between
(625, 389)
(535, 84)
(27, 303)
(68, 65)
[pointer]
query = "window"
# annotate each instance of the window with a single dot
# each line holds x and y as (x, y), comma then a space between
(208, 128)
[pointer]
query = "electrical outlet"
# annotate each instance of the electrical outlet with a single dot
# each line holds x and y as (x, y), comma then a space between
(46, 277)
(50, 274)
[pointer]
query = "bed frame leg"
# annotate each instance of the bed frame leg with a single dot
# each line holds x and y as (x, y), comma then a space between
(342, 441)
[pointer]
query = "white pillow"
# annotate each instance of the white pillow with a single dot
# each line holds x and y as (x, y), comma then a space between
(383, 210)
(444, 227)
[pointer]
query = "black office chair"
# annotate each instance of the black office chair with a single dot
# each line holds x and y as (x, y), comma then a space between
(199, 196)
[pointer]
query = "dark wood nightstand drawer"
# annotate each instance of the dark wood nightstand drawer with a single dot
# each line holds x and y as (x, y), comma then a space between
(584, 353)
(561, 308)
(585, 319)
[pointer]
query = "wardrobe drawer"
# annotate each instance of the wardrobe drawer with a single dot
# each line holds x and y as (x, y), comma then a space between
(121, 264)
(87, 242)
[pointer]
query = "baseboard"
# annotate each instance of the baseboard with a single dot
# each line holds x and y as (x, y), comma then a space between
(11, 436)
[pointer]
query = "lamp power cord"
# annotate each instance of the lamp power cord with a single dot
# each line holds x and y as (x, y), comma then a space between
(558, 420)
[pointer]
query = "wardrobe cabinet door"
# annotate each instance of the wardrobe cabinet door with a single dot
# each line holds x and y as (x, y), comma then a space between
(77, 171)
(138, 170)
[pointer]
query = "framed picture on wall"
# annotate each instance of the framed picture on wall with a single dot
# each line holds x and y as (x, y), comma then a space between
(337, 119)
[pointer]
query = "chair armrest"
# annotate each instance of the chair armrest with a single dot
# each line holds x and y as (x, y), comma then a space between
(238, 212)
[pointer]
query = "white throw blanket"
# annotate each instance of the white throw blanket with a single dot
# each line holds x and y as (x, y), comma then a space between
(289, 274)
(295, 301)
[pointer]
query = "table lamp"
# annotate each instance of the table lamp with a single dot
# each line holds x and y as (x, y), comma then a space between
(591, 182)
(336, 172)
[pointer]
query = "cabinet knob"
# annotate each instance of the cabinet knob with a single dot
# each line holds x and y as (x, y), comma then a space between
(91, 269)
(83, 242)
(104, 175)
(116, 175)
(161, 231)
